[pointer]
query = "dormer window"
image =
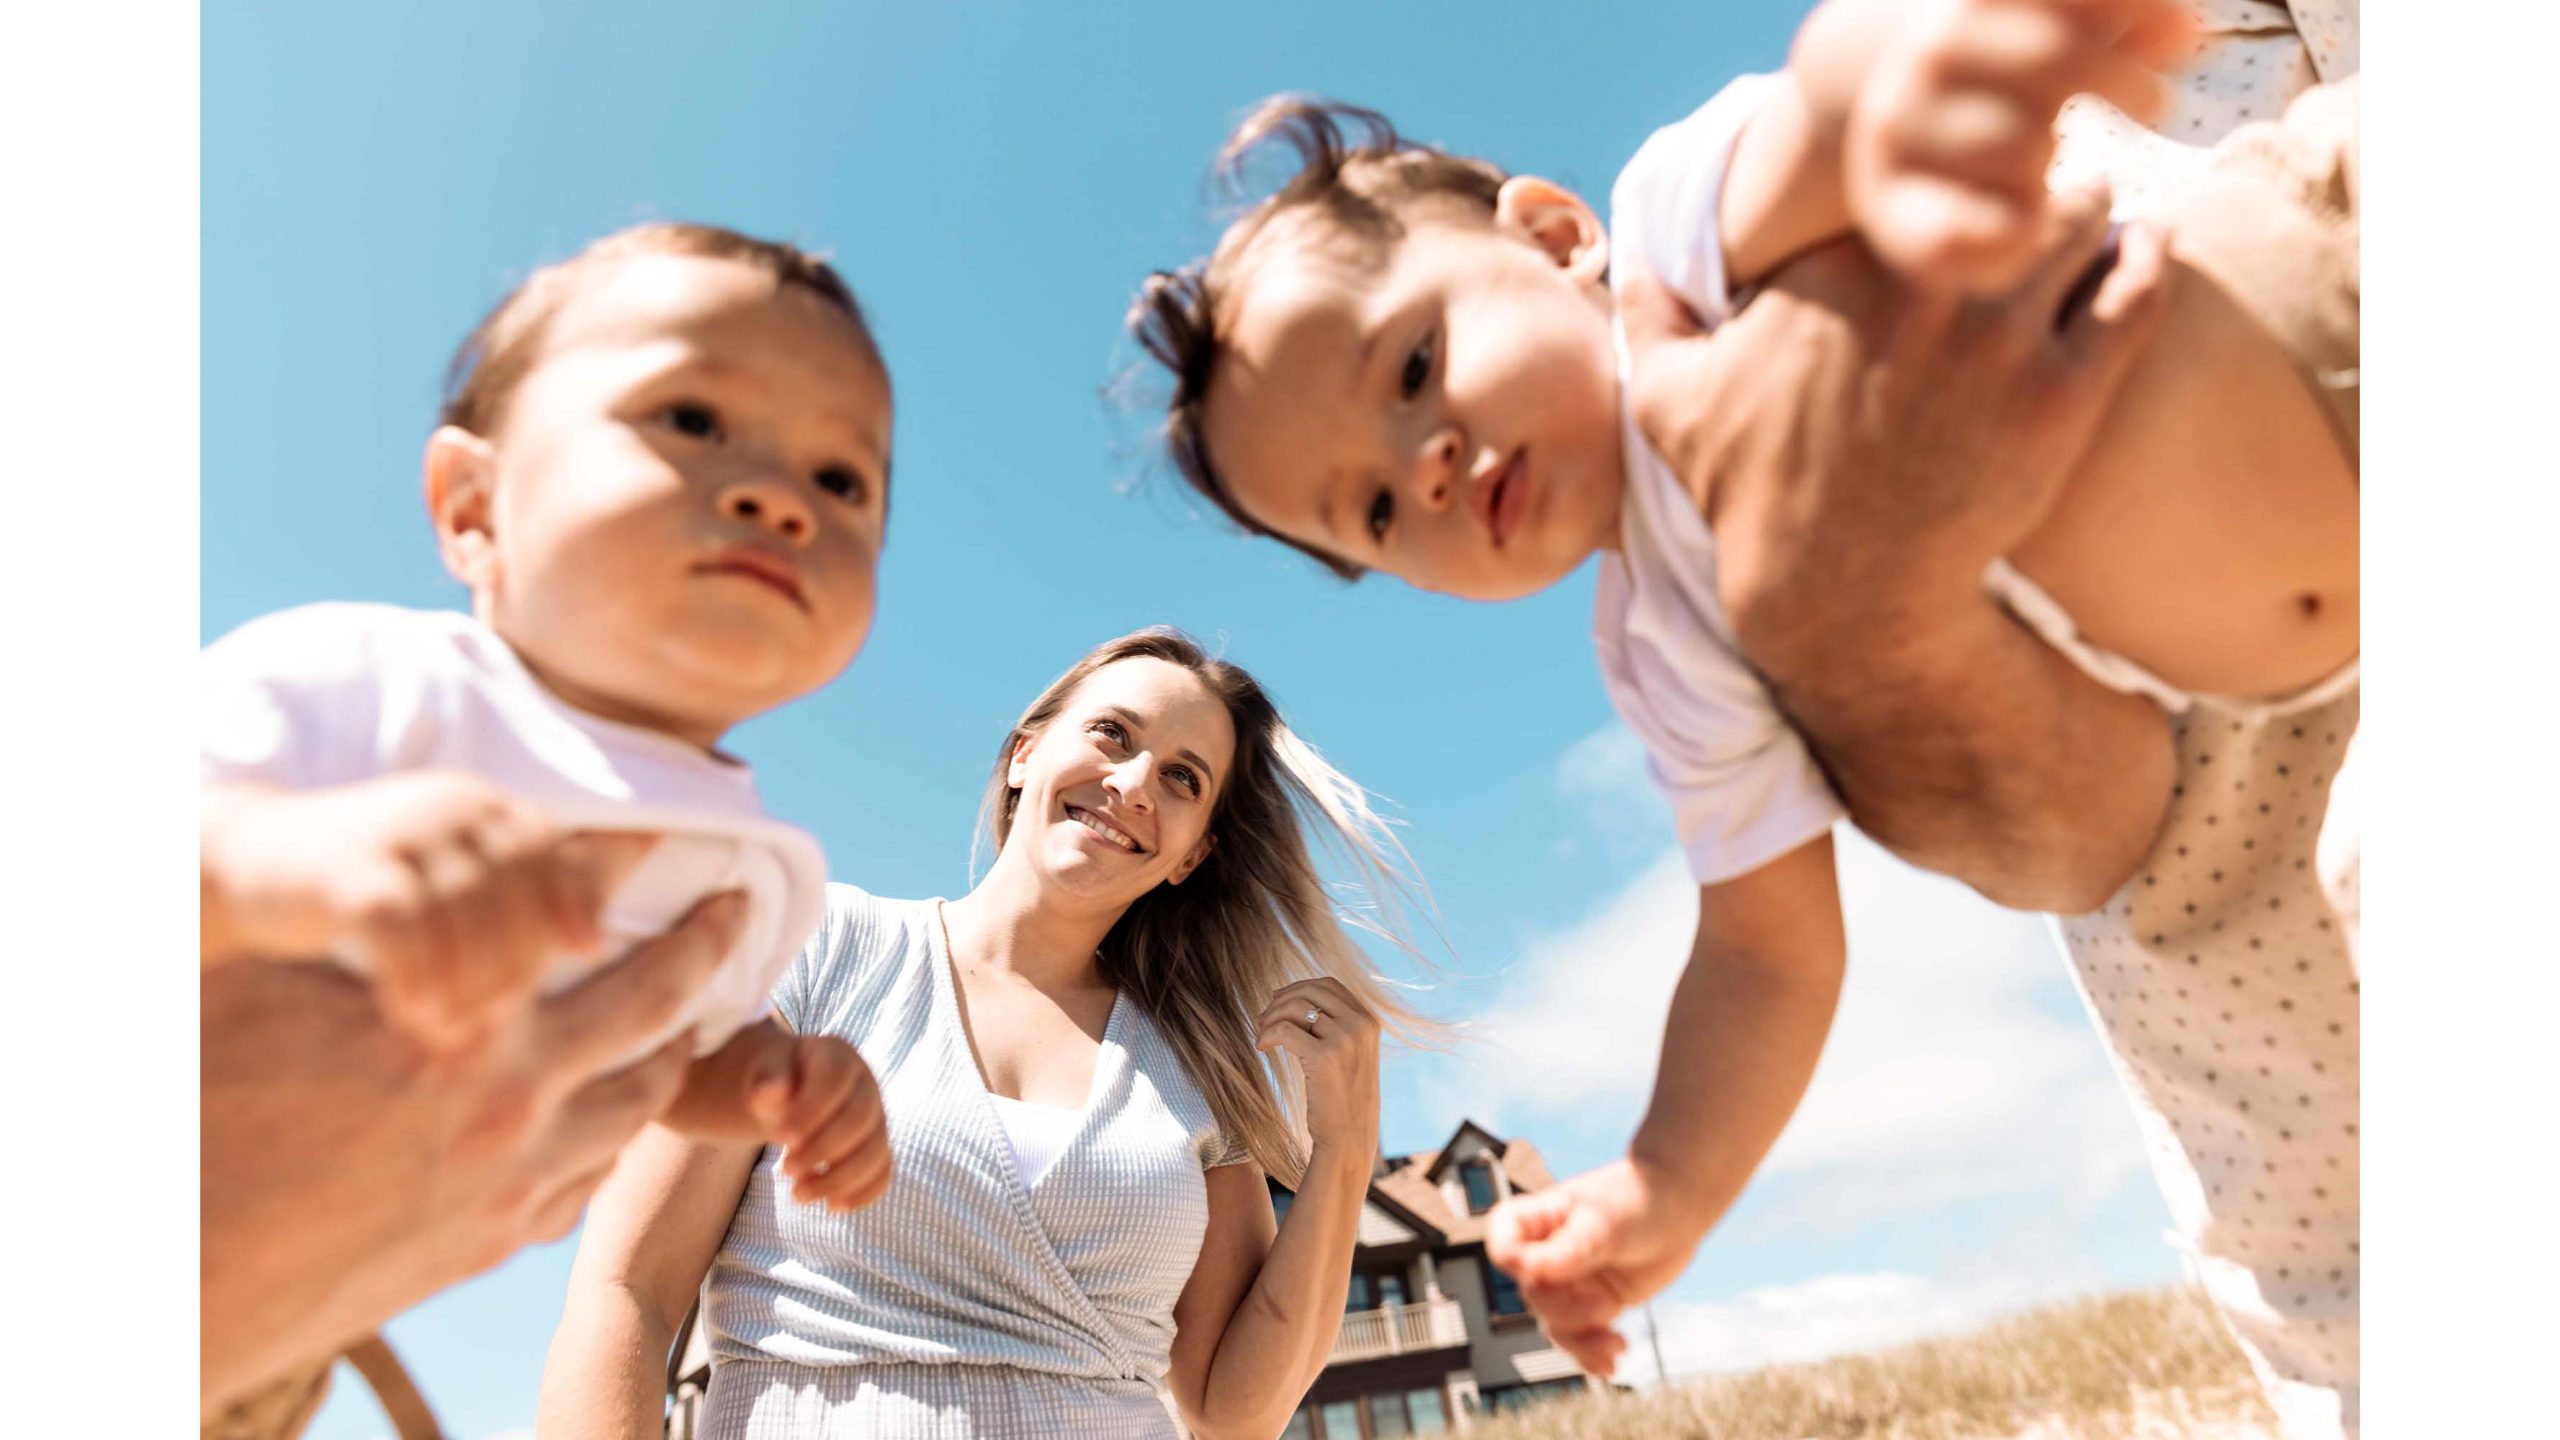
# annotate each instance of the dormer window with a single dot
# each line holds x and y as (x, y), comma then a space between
(1477, 1177)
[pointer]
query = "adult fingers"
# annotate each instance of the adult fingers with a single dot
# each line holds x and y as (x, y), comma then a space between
(827, 1082)
(592, 864)
(1952, 237)
(849, 1181)
(2067, 247)
(1328, 997)
(1648, 310)
(833, 1141)
(1292, 1036)
(2162, 34)
(607, 1013)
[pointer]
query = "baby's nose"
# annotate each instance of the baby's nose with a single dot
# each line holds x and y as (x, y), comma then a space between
(772, 506)
(1436, 471)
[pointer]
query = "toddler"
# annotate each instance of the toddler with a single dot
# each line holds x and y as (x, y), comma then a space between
(662, 471)
(1406, 360)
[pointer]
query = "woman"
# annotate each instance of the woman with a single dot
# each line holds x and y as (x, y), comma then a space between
(1080, 1125)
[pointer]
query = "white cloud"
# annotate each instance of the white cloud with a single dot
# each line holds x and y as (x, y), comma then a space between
(1829, 1315)
(1602, 777)
(1958, 1066)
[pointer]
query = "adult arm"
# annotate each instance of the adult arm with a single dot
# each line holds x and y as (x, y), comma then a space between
(650, 1236)
(1863, 452)
(1747, 1024)
(1261, 1312)
(348, 1173)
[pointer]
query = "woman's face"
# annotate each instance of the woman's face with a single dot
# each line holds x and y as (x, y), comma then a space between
(1117, 790)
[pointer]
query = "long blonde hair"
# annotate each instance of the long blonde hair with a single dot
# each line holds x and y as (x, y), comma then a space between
(1204, 956)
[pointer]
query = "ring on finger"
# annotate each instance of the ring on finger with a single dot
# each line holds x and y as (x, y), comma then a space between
(1313, 1015)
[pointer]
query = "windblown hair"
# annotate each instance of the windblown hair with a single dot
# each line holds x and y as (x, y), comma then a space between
(1356, 175)
(1204, 956)
(503, 348)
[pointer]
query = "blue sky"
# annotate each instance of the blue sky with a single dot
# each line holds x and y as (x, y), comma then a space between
(994, 180)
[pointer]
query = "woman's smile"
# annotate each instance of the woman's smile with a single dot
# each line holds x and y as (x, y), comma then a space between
(1104, 830)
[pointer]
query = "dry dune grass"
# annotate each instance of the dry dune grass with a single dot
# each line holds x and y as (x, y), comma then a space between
(2145, 1364)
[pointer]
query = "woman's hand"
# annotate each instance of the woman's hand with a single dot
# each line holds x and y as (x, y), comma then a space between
(1336, 1041)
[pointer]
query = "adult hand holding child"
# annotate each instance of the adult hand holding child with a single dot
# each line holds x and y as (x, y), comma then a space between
(1870, 448)
(454, 895)
(349, 1171)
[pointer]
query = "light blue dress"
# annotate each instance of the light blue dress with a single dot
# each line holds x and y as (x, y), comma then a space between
(963, 1303)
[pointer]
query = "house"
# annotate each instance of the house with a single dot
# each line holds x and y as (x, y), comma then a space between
(1433, 1334)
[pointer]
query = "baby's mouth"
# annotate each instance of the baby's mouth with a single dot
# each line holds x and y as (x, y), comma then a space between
(1104, 828)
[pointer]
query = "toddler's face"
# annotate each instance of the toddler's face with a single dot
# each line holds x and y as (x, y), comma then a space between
(685, 500)
(1446, 412)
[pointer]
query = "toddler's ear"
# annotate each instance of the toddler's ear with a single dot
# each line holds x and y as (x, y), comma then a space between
(460, 468)
(1555, 220)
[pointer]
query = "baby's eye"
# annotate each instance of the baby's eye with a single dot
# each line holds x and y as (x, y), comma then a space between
(843, 482)
(688, 417)
(1417, 366)
(1382, 513)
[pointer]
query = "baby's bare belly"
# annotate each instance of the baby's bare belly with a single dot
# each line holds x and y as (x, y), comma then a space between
(2211, 534)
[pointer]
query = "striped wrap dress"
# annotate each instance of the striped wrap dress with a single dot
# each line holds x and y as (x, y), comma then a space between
(963, 1303)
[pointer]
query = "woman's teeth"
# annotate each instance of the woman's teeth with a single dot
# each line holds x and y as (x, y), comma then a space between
(1103, 828)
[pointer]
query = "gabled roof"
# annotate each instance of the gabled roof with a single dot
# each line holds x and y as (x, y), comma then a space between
(1449, 1149)
(1409, 1184)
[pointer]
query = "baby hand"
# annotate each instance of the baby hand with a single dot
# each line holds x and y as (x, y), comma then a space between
(818, 1101)
(1950, 138)
(1591, 1247)
(456, 896)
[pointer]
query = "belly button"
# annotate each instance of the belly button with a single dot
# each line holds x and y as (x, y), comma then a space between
(2309, 604)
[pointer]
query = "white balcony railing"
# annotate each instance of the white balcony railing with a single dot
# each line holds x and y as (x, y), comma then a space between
(1400, 1329)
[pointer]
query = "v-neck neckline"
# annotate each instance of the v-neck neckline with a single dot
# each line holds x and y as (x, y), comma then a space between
(947, 983)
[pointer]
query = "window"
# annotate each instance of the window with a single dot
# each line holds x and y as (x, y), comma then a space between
(1477, 1176)
(1430, 1417)
(1388, 1286)
(1371, 1289)
(1521, 1397)
(1342, 1420)
(1502, 1293)
(1386, 1417)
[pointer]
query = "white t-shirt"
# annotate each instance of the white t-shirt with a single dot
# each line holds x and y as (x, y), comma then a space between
(1036, 1133)
(1744, 790)
(333, 694)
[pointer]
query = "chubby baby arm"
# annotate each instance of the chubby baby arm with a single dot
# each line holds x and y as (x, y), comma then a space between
(810, 1094)
(1746, 1025)
(457, 895)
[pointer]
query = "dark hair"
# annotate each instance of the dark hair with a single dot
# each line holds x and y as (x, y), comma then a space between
(1353, 171)
(500, 351)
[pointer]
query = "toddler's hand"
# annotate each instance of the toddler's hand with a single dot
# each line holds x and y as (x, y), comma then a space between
(458, 895)
(1589, 1248)
(818, 1101)
(1950, 138)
